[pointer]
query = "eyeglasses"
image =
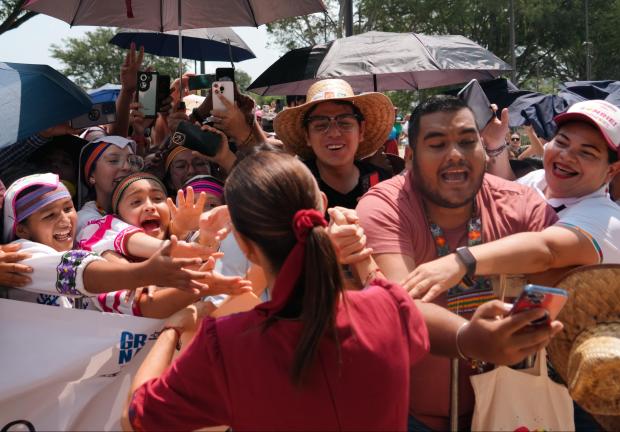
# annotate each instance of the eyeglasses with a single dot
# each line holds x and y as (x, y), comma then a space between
(321, 124)
(135, 162)
(515, 139)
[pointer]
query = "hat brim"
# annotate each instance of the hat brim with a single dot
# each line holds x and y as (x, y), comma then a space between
(566, 117)
(593, 299)
(378, 112)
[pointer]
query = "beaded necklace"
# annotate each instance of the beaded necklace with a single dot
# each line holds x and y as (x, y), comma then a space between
(463, 299)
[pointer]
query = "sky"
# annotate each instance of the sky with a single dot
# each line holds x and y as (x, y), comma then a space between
(30, 43)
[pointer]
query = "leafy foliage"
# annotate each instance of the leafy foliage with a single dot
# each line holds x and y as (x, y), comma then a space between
(92, 62)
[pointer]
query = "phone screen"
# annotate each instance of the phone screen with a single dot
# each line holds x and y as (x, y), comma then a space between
(198, 82)
(147, 92)
(477, 101)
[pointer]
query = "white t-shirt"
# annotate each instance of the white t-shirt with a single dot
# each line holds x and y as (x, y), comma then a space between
(594, 215)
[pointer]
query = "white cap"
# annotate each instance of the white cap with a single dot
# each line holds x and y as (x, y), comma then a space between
(601, 114)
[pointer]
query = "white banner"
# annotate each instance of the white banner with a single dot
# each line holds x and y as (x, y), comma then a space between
(67, 369)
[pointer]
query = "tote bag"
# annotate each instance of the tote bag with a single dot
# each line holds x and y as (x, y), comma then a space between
(510, 400)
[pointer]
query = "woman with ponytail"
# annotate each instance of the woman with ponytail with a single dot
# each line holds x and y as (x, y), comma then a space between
(315, 357)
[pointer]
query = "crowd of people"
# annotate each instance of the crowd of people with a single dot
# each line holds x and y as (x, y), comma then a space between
(373, 270)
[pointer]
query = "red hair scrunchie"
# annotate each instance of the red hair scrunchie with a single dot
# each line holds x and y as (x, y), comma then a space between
(305, 220)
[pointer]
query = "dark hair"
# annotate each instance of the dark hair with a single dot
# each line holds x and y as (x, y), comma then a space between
(613, 155)
(439, 103)
(358, 114)
(263, 192)
(294, 99)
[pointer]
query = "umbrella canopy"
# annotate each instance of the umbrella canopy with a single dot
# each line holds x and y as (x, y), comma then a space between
(539, 109)
(163, 15)
(34, 98)
(380, 61)
(216, 44)
(105, 93)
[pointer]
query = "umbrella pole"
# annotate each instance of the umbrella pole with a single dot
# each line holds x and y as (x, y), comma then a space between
(180, 53)
(454, 395)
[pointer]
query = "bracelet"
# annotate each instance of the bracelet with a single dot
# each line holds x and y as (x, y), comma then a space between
(496, 152)
(458, 347)
(178, 333)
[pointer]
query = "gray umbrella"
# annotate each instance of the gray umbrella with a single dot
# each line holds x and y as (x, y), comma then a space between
(380, 61)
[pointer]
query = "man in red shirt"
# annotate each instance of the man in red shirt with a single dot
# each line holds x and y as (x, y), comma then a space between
(444, 204)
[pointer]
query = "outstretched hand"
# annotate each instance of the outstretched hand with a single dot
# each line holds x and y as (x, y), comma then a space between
(220, 284)
(433, 278)
(214, 226)
(185, 217)
(130, 68)
(495, 336)
(164, 269)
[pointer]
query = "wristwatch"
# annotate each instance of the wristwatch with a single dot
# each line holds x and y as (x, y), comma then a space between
(469, 261)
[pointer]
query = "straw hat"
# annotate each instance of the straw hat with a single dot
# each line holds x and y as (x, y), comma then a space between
(587, 353)
(376, 108)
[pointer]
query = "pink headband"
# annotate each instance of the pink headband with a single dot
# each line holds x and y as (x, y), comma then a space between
(303, 222)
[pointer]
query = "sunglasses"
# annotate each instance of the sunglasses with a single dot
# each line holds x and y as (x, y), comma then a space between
(515, 139)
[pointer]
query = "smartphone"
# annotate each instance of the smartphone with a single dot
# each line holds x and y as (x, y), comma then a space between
(198, 82)
(537, 296)
(191, 136)
(100, 114)
(225, 88)
(225, 74)
(477, 101)
(147, 92)
(163, 90)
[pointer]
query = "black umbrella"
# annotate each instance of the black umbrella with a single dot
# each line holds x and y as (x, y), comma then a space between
(380, 61)
(539, 109)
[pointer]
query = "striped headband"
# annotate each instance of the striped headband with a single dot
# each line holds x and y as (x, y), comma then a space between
(207, 184)
(122, 186)
(172, 155)
(38, 198)
(92, 151)
(94, 157)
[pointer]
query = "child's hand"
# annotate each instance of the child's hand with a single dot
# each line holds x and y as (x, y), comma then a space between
(184, 218)
(164, 269)
(220, 284)
(214, 227)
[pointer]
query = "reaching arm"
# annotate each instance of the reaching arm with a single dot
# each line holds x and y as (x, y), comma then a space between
(528, 252)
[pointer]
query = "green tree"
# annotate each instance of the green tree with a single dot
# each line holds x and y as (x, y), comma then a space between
(12, 15)
(550, 35)
(243, 79)
(92, 62)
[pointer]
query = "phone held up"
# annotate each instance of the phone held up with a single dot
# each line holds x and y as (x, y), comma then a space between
(477, 101)
(225, 88)
(199, 82)
(153, 88)
(101, 113)
(537, 296)
(225, 74)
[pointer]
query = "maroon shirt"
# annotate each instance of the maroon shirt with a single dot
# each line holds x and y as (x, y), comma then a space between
(234, 373)
(394, 221)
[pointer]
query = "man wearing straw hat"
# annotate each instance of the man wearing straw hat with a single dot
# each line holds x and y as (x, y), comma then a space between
(332, 131)
(445, 203)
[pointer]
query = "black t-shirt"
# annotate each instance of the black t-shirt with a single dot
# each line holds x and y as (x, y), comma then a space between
(370, 175)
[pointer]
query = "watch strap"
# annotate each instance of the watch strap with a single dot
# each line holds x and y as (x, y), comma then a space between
(468, 259)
